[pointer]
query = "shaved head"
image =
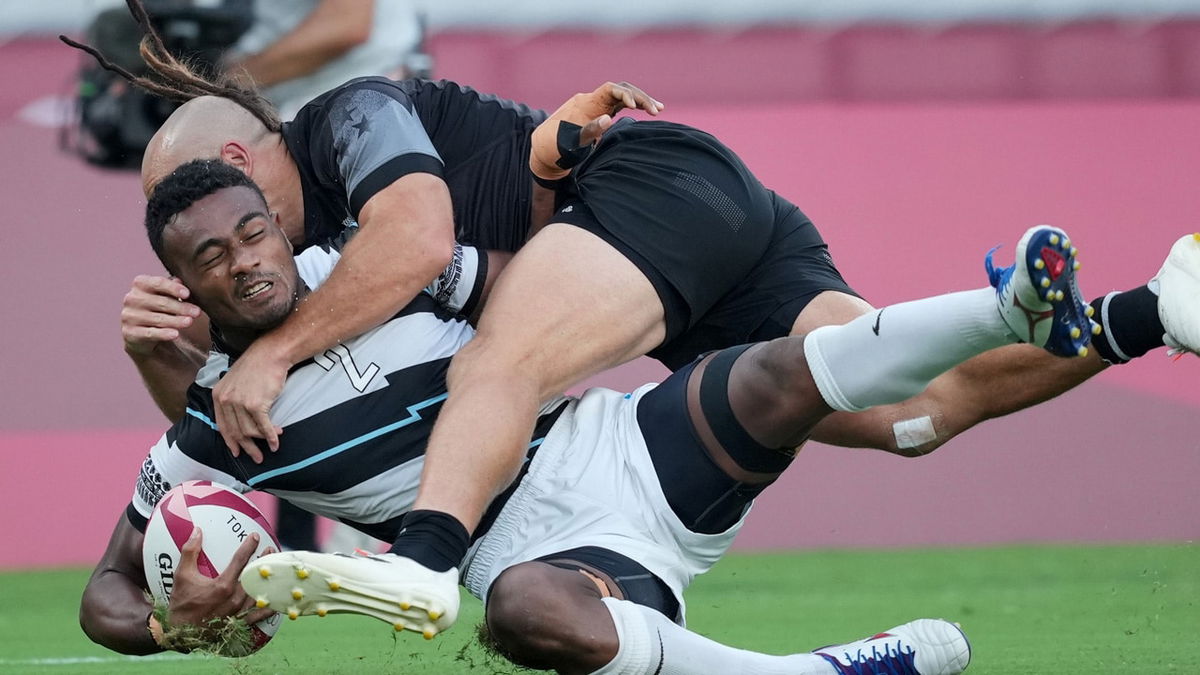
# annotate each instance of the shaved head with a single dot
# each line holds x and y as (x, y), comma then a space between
(199, 129)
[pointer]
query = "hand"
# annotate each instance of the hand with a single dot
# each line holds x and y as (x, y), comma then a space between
(153, 312)
(610, 98)
(243, 398)
(198, 599)
(594, 113)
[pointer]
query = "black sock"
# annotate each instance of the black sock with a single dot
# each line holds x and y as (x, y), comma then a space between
(436, 540)
(1131, 325)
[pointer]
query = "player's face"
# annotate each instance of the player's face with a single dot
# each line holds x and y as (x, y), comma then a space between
(229, 251)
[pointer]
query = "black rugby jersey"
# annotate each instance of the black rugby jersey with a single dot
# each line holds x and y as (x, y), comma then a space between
(355, 140)
(356, 420)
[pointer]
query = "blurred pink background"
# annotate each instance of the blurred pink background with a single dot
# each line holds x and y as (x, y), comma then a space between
(914, 150)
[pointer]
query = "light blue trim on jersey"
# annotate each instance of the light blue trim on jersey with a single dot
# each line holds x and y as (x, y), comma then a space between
(202, 417)
(535, 444)
(414, 415)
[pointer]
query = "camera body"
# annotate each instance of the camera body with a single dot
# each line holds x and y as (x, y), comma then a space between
(113, 121)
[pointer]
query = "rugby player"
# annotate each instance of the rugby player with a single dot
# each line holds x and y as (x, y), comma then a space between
(662, 243)
(657, 481)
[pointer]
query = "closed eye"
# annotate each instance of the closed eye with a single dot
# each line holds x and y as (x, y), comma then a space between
(211, 260)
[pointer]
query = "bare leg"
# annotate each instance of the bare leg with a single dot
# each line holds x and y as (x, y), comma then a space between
(568, 306)
(543, 617)
(991, 385)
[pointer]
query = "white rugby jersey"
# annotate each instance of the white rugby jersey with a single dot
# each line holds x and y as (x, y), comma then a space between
(355, 419)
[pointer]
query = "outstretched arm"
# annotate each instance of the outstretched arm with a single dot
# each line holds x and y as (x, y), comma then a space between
(116, 613)
(991, 385)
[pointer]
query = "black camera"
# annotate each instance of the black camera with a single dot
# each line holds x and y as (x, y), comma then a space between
(113, 120)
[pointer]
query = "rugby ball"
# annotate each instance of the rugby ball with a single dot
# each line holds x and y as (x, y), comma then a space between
(225, 519)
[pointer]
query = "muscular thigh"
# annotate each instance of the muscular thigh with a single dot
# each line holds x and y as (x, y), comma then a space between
(568, 306)
(681, 206)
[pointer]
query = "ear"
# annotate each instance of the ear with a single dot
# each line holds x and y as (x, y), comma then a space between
(237, 155)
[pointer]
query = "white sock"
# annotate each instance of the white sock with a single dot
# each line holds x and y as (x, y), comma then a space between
(892, 354)
(652, 643)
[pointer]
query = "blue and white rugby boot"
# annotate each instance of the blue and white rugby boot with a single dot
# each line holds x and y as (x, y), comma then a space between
(1038, 296)
(1178, 287)
(921, 647)
(388, 587)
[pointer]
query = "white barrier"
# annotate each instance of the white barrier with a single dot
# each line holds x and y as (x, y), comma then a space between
(20, 16)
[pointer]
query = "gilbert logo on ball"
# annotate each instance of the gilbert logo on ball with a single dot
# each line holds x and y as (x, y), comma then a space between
(226, 519)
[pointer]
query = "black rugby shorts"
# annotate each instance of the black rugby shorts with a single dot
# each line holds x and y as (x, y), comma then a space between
(731, 261)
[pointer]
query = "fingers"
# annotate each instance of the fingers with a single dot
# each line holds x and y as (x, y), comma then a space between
(592, 131)
(241, 557)
(263, 428)
(222, 420)
(626, 95)
(154, 311)
(238, 429)
(190, 553)
(242, 403)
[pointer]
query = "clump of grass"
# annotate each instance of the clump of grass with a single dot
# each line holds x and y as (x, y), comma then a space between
(224, 636)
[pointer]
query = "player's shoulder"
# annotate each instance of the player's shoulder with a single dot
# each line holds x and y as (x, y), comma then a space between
(354, 92)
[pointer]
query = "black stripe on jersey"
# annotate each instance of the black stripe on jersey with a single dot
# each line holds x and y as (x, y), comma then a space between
(481, 270)
(388, 173)
(357, 439)
(389, 529)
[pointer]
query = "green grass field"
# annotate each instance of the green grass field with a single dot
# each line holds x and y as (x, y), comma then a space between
(1077, 609)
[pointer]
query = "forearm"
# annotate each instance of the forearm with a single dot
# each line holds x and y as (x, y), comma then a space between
(379, 273)
(333, 28)
(994, 384)
(544, 151)
(114, 614)
(167, 372)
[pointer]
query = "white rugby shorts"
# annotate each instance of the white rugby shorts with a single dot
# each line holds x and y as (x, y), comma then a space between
(592, 483)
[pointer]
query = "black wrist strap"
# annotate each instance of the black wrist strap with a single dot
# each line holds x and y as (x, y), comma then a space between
(571, 153)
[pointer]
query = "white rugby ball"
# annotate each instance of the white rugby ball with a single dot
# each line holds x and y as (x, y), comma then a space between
(225, 519)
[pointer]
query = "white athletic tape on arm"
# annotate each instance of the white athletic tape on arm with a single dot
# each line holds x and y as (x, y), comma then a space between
(913, 433)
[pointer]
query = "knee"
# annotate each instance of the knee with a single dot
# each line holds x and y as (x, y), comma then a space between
(486, 357)
(780, 373)
(541, 617)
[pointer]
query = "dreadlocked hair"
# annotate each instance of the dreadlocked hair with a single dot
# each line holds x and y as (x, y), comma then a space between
(184, 186)
(177, 81)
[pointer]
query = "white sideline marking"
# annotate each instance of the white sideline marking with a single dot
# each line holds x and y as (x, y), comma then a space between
(78, 660)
